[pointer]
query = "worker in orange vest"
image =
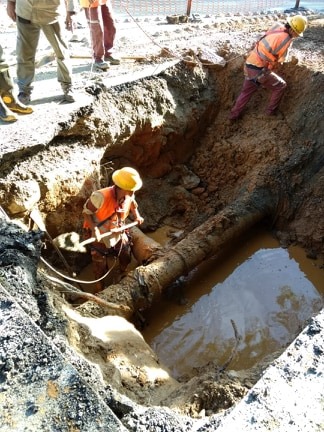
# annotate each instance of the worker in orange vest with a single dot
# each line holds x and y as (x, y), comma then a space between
(102, 36)
(107, 209)
(268, 52)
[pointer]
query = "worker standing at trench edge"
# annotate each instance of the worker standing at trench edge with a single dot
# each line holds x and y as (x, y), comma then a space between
(105, 210)
(268, 53)
(49, 17)
(102, 31)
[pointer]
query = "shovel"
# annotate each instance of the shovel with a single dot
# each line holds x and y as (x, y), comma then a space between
(108, 234)
(72, 241)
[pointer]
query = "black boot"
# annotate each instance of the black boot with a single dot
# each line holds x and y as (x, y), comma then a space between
(6, 87)
(5, 114)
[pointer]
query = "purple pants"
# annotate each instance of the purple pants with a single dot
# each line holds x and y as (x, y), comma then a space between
(102, 40)
(254, 79)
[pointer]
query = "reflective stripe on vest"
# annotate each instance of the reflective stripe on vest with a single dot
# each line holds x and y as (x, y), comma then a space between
(106, 211)
(275, 52)
(272, 46)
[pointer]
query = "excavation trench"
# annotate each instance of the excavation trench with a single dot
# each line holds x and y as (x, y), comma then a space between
(210, 203)
(210, 180)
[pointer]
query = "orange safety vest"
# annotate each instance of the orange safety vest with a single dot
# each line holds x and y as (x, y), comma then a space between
(89, 4)
(271, 48)
(106, 217)
(103, 216)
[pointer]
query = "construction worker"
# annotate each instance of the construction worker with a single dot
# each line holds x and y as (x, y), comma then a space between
(32, 17)
(9, 104)
(102, 35)
(268, 52)
(105, 210)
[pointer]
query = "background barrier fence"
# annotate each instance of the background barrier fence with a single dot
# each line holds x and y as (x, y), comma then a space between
(209, 7)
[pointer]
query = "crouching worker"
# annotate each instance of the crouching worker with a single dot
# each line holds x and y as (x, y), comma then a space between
(106, 210)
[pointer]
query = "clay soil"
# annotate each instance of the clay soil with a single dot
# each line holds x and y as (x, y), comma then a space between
(206, 166)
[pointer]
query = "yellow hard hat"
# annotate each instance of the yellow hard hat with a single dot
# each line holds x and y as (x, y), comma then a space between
(127, 178)
(298, 23)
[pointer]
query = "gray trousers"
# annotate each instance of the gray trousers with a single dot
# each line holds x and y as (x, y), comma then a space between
(27, 41)
(3, 65)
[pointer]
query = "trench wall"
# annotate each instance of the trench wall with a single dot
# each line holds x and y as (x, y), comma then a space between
(161, 121)
(151, 124)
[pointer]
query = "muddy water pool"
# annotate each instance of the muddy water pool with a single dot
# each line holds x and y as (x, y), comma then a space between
(267, 291)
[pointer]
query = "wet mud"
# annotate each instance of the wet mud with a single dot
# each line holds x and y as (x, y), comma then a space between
(269, 292)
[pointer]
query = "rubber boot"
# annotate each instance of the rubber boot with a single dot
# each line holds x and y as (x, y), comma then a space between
(5, 114)
(6, 87)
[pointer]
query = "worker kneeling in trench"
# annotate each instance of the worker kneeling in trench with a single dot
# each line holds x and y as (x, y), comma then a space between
(105, 213)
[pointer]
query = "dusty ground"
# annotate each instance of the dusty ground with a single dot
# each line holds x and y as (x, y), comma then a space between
(283, 154)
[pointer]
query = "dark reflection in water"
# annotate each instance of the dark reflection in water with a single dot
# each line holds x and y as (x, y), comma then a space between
(260, 286)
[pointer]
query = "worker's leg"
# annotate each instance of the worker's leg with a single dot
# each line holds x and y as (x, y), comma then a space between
(53, 33)
(27, 41)
(96, 35)
(248, 89)
(8, 96)
(8, 101)
(3, 64)
(124, 260)
(109, 29)
(277, 86)
(5, 114)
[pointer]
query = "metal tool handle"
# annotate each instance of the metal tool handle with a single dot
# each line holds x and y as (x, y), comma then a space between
(107, 234)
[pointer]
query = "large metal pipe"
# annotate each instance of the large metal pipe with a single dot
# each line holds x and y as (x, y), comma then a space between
(144, 285)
